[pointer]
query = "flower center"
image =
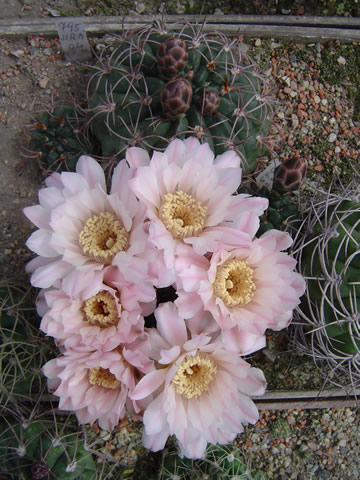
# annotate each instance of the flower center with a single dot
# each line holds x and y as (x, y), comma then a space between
(194, 375)
(101, 309)
(102, 237)
(103, 377)
(182, 215)
(234, 283)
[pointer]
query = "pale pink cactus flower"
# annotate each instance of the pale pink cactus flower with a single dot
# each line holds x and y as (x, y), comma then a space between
(105, 320)
(201, 393)
(189, 197)
(246, 289)
(82, 230)
(96, 385)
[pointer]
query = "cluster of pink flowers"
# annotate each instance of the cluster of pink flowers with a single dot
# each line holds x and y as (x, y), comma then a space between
(169, 221)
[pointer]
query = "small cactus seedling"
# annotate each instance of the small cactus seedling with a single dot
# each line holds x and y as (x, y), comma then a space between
(56, 140)
(157, 86)
(328, 253)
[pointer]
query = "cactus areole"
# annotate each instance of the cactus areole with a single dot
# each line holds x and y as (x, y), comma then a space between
(155, 87)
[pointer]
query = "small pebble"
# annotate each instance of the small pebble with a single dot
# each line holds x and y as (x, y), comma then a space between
(43, 82)
(341, 61)
(332, 137)
(258, 42)
(140, 7)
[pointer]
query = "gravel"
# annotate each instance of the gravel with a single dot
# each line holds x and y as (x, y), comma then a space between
(304, 444)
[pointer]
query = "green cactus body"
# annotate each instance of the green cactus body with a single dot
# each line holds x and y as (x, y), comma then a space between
(36, 450)
(23, 349)
(329, 257)
(150, 77)
(55, 140)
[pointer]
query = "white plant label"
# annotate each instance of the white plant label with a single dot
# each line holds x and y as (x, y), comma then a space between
(73, 38)
(266, 177)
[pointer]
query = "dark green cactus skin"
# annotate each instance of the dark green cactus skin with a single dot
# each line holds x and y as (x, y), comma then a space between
(331, 261)
(282, 213)
(56, 141)
(124, 97)
(30, 448)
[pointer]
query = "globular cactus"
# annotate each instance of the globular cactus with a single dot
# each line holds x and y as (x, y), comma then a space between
(23, 348)
(221, 461)
(156, 86)
(289, 175)
(44, 448)
(56, 141)
(282, 213)
(328, 252)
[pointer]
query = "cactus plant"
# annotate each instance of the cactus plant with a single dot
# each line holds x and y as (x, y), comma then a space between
(328, 251)
(24, 349)
(56, 140)
(221, 461)
(156, 86)
(44, 448)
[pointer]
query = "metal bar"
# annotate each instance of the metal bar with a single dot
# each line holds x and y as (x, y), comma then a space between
(308, 404)
(290, 27)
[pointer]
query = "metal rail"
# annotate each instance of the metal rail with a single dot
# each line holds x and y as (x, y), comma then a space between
(299, 28)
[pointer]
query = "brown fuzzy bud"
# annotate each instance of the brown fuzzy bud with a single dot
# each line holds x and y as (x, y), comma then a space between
(172, 57)
(210, 102)
(175, 98)
(289, 175)
(40, 470)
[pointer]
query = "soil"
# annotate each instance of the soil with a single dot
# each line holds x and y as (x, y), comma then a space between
(33, 76)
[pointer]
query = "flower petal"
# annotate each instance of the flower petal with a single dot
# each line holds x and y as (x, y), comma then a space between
(149, 384)
(92, 171)
(170, 325)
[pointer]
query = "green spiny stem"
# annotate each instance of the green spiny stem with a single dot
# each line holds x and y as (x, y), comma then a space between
(130, 79)
(328, 252)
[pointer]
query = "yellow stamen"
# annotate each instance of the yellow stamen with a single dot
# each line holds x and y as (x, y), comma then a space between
(101, 309)
(102, 237)
(234, 283)
(103, 377)
(194, 375)
(182, 215)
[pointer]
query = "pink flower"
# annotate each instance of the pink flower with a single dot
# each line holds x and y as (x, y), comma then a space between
(103, 321)
(200, 391)
(246, 289)
(189, 197)
(96, 385)
(82, 229)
